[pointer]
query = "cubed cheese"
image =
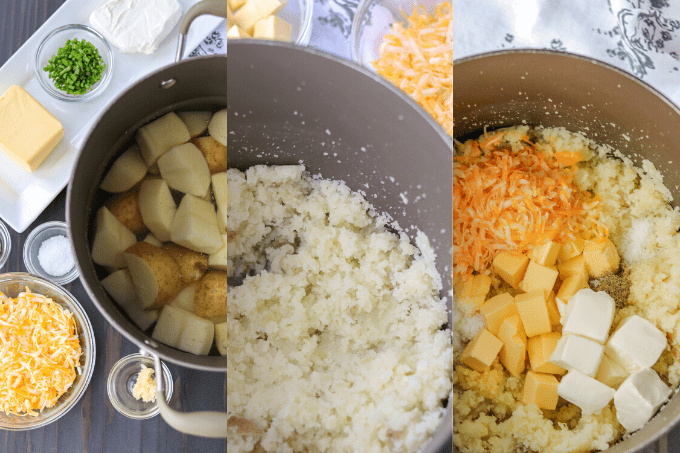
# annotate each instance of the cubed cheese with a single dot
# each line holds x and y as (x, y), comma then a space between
(571, 249)
(511, 267)
(540, 349)
(579, 353)
(496, 309)
(538, 277)
(540, 389)
(29, 132)
(601, 257)
(533, 309)
(482, 350)
(546, 253)
(571, 285)
(255, 10)
(576, 265)
(589, 314)
(584, 391)
(611, 373)
(470, 292)
(636, 344)
(272, 27)
(638, 399)
(514, 351)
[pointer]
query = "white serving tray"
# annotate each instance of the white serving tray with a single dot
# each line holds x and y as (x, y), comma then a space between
(23, 195)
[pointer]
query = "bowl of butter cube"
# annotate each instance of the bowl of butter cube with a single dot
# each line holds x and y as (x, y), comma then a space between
(277, 20)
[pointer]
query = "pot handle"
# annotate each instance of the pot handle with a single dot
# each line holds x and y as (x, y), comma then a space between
(203, 423)
(214, 7)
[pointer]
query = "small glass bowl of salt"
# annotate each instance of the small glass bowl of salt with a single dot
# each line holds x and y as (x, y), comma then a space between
(48, 254)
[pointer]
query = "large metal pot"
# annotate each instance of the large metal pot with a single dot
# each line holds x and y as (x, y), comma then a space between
(557, 89)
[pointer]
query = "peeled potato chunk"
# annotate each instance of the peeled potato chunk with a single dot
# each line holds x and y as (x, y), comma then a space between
(153, 240)
(125, 207)
(218, 260)
(196, 122)
(184, 330)
(218, 126)
(221, 337)
(157, 207)
(120, 287)
(185, 299)
(125, 172)
(111, 239)
(195, 226)
(192, 264)
(214, 152)
(211, 295)
(154, 273)
(157, 137)
(184, 168)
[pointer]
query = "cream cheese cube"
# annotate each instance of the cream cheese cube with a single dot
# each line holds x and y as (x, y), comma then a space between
(589, 314)
(579, 353)
(638, 399)
(590, 395)
(636, 344)
(611, 373)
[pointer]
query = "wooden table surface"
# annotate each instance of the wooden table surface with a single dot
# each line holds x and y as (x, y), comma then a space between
(93, 425)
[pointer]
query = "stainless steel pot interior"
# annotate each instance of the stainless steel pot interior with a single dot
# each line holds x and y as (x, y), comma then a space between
(289, 105)
(556, 89)
(199, 83)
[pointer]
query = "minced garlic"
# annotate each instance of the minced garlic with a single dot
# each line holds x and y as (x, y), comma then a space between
(145, 387)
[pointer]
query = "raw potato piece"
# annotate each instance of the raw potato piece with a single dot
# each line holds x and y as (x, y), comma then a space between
(214, 152)
(211, 295)
(120, 287)
(157, 207)
(218, 260)
(125, 172)
(154, 273)
(111, 238)
(184, 330)
(185, 299)
(221, 337)
(219, 184)
(218, 126)
(184, 168)
(192, 265)
(195, 226)
(125, 207)
(157, 137)
(196, 122)
(151, 239)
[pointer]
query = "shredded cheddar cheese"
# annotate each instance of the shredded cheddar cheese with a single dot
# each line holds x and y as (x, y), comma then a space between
(418, 58)
(507, 199)
(39, 353)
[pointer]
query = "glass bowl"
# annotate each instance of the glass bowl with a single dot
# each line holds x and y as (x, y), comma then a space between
(298, 13)
(11, 284)
(5, 244)
(32, 246)
(373, 20)
(122, 379)
(54, 41)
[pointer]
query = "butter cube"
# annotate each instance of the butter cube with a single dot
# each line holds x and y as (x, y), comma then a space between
(538, 277)
(230, 12)
(236, 32)
(255, 10)
(636, 344)
(496, 309)
(540, 349)
(28, 132)
(611, 373)
(601, 257)
(546, 254)
(576, 265)
(273, 28)
(540, 389)
(571, 249)
(474, 285)
(589, 314)
(638, 399)
(571, 285)
(533, 309)
(590, 395)
(514, 352)
(482, 350)
(235, 4)
(574, 352)
(553, 311)
(511, 267)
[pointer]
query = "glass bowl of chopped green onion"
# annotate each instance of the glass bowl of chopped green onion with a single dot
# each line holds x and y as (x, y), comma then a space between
(74, 63)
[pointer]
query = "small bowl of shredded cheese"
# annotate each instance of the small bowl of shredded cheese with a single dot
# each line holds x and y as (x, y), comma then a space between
(47, 349)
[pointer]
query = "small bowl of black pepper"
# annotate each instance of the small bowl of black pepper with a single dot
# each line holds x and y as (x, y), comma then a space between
(48, 253)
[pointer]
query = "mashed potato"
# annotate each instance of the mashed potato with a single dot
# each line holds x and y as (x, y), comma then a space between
(335, 335)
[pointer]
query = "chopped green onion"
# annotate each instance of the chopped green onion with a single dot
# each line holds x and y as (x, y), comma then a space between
(76, 67)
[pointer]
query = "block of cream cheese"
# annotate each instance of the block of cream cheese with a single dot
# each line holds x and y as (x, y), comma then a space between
(579, 353)
(589, 314)
(136, 25)
(636, 344)
(590, 395)
(28, 132)
(638, 399)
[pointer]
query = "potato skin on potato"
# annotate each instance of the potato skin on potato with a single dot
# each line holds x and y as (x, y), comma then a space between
(211, 295)
(161, 279)
(215, 153)
(192, 264)
(125, 207)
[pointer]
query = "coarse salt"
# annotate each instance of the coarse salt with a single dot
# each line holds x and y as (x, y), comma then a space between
(55, 256)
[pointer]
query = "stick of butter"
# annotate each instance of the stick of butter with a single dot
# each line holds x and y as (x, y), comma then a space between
(29, 132)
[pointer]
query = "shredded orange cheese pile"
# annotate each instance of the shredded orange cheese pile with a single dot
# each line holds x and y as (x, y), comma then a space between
(418, 58)
(515, 200)
(39, 352)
